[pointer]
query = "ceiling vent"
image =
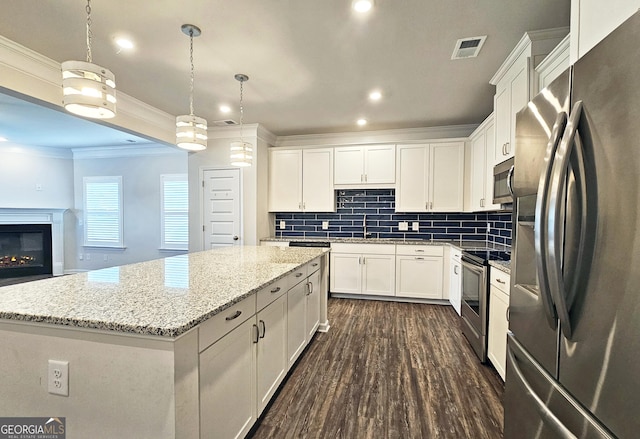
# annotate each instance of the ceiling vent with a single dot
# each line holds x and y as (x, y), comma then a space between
(224, 123)
(468, 47)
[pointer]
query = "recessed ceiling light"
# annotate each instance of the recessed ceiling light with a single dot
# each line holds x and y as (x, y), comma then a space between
(362, 122)
(225, 109)
(3, 139)
(362, 5)
(375, 95)
(124, 43)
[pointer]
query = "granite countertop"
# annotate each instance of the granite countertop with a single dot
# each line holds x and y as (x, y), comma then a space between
(502, 266)
(164, 297)
(462, 245)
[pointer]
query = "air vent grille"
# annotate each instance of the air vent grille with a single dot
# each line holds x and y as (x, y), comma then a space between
(224, 123)
(468, 47)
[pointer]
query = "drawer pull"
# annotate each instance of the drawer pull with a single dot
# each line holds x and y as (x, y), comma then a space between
(500, 281)
(298, 274)
(419, 259)
(275, 290)
(234, 316)
(315, 264)
(419, 251)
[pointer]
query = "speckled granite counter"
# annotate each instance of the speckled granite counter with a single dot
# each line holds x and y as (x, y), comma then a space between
(502, 266)
(463, 245)
(164, 297)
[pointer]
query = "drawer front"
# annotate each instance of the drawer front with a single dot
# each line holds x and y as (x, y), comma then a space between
(313, 266)
(271, 292)
(222, 323)
(372, 249)
(500, 280)
(297, 276)
(456, 254)
(419, 250)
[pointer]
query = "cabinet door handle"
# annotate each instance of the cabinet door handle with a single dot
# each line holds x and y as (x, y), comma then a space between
(500, 281)
(304, 205)
(508, 313)
(361, 178)
(275, 290)
(508, 147)
(300, 205)
(256, 333)
(365, 178)
(481, 202)
(359, 260)
(264, 329)
(426, 205)
(364, 260)
(233, 316)
(455, 270)
(310, 288)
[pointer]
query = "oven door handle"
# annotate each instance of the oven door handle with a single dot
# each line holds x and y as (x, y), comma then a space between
(478, 269)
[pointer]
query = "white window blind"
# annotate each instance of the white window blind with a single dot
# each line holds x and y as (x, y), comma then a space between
(103, 211)
(175, 212)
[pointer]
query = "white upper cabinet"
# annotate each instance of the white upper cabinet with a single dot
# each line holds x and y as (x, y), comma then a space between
(515, 85)
(371, 165)
(593, 20)
(554, 64)
(430, 177)
(481, 157)
(301, 180)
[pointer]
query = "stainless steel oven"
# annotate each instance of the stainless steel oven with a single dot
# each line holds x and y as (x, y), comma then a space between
(475, 304)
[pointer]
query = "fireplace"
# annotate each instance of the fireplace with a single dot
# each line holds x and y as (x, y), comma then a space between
(25, 250)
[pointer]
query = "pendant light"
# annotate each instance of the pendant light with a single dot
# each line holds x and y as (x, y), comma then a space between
(87, 89)
(241, 152)
(191, 131)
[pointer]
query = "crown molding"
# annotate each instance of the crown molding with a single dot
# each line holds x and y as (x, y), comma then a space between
(248, 130)
(37, 151)
(105, 152)
(380, 136)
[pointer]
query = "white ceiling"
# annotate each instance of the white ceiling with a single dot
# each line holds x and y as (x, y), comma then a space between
(311, 63)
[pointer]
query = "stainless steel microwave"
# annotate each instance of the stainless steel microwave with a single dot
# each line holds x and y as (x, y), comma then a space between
(502, 177)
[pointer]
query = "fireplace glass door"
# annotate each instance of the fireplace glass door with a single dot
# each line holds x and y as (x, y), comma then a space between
(25, 250)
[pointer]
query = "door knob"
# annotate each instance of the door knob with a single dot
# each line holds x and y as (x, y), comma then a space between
(235, 237)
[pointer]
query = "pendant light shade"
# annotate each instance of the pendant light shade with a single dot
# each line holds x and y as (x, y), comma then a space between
(241, 152)
(191, 133)
(191, 130)
(88, 89)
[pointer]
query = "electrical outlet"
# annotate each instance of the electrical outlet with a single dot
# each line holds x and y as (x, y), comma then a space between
(415, 226)
(38, 187)
(282, 225)
(58, 381)
(80, 256)
(325, 225)
(403, 226)
(106, 258)
(87, 256)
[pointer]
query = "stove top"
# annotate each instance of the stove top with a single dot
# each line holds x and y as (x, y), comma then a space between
(485, 255)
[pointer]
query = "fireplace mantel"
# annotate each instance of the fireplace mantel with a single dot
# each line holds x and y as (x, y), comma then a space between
(55, 217)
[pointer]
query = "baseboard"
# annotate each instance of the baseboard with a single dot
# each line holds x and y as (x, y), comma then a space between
(390, 298)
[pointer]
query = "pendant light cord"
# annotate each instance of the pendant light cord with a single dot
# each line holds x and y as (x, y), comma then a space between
(241, 113)
(89, 34)
(191, 85)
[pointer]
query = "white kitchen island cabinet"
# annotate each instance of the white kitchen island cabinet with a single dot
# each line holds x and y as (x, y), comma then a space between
(430, 177)
(372, 165)
(301, 180)
(202, 349)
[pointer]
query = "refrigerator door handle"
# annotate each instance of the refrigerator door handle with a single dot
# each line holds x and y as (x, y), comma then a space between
(541, 218)
(545, 413)
(556, 219)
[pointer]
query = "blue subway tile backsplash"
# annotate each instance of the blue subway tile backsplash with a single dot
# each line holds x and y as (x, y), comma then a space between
(382, 221)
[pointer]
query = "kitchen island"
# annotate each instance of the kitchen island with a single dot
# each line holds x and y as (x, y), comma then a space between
(165, 348)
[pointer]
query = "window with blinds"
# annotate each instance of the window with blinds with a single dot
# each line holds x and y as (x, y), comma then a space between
(103, 211)
(175, 212)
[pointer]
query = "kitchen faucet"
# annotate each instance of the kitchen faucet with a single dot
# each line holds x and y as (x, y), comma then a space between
(364, 226)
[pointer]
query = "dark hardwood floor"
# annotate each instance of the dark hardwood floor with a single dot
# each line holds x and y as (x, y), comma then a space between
(387, 370)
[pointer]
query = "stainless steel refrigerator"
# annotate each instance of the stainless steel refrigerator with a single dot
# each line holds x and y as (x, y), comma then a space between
(573, 363)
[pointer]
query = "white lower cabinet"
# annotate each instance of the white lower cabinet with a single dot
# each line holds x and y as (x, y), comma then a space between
(498, 320)
(455, 279)
(296, 321)
(367, 269)
(228, 406)
(272, 352)
(245, 355)
(419, 271)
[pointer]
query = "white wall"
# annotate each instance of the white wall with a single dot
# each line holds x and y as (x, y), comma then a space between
(141, 204)
(22, 168)
(253, 185)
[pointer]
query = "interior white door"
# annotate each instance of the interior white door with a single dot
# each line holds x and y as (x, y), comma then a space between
(221, 202)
